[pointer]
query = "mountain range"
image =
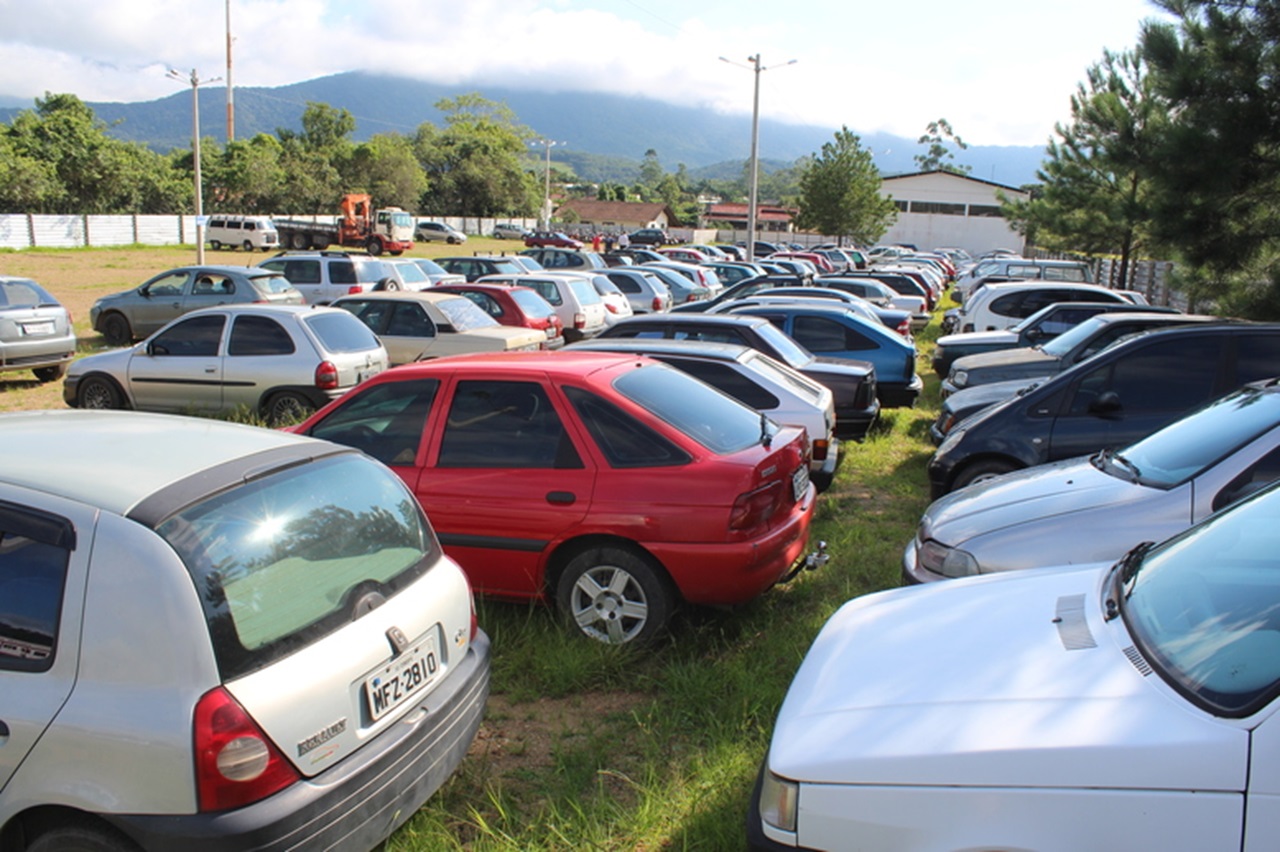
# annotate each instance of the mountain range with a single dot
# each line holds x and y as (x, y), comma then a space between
(602, 136)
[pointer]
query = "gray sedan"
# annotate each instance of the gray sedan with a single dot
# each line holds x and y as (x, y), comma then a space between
(124, 317)
(1097, 508)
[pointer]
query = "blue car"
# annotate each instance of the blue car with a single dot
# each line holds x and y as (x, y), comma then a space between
(833, 331)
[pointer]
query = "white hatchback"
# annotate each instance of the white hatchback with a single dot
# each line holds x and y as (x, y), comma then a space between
(579, 306)
(220, 636)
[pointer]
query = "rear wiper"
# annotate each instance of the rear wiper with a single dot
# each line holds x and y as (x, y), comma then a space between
(765, 438)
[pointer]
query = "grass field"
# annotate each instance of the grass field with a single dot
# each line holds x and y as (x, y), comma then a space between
(591, 747)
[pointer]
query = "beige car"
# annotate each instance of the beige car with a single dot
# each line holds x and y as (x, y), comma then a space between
(416, 326)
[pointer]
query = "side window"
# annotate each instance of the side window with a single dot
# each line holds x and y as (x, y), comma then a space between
(409, 320)
(252, 335)
(301, 271)
(1112, 333)
(549, 291)
(1254, 478)
(34, 551)
(373, 312)
(505, 424)
(1257, 357)
(625, 441)
(169, 285)
(1171, 375)
(1063, 319)
(197, 337)
(342, 272)
(625, 283)
(385, 421)
(819, 334)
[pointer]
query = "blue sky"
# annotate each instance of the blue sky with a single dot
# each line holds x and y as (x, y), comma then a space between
(1000, 71)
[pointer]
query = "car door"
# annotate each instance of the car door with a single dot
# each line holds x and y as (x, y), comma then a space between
(1135, 393)
(261, 354)
(505, 476)
(43, 565)
(162, 301)
(180, 368)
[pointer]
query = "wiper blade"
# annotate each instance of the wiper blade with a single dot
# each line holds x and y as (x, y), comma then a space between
(1127, 465)
(1123, 573)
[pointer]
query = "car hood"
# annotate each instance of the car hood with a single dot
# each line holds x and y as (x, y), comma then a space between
(1006, 681)
(980, 339)
(1006, 364)
(1018, 505)
(967, 401)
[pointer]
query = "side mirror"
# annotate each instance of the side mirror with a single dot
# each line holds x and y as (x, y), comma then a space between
(1108, 402)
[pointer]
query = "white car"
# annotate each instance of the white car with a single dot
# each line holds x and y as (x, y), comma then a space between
(220, 636)
(999, 306)
(426, 232)
(579, 306)
(1124, 706)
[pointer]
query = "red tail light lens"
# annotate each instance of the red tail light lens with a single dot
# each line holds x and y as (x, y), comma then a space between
(657, 303)
(235, 762)
(755, 508)
(820, 449)
(326, 375)
(579, 321)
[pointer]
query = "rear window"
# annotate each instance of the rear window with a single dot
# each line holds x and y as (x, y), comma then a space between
(24, 294)
(532, 304)
(585, 293)
(339, 331)
(272, 283)
(464, 315)
(282, 561)
(713, 419)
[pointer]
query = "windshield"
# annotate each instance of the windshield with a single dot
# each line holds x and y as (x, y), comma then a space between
(429, 266)
(1204, 607)
(464, 314)
(1062, 345)
(1189, 446)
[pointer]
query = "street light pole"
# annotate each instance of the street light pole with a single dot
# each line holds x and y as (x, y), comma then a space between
(546, 177)
(195, 150)
(754, 192)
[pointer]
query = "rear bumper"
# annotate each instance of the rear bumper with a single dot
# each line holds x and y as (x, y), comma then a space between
(360, 801)
(901, 395)
(823, 473)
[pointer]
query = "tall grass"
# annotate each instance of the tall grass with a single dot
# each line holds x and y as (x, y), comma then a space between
(658, 748)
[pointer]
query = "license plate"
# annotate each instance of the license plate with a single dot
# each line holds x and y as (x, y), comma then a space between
(396, 682)
(800, 483)
(35, 328)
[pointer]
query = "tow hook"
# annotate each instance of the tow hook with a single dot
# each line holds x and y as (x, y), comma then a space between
(809, 562)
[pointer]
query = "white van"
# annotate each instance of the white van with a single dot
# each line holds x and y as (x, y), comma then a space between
(246, 232)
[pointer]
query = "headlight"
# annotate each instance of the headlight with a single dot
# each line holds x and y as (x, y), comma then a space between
(960, 378)
(778, 798)
(944, 560)
(949, 442)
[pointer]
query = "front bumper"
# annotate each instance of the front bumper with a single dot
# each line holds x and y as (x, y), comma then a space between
(357, 803)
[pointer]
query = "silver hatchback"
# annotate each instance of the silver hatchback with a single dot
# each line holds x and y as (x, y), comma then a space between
(282, 361)
(35, 330)
(220, 636)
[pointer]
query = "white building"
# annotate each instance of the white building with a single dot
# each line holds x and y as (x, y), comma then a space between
(941, 208)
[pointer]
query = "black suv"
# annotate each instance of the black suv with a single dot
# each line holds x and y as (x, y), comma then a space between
(649, 237)
(1121, 394)
(852, 383)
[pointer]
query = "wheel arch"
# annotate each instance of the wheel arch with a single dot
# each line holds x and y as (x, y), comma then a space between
(114, 382)
(566, 551)
(25, 826)
(1010, 461)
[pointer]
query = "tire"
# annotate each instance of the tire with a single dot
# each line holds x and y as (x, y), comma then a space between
(50, 374)
(299, 241)
(286, 407)
(215, 244)
(373, 247)
(248, 246)
(615, 595)
(453, 241)
(99, 393)
(82, 836)
(981, 471)
(389, 284)
(116, 330)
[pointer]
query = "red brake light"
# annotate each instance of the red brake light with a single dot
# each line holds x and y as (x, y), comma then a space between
(755, 508)
(326, 375)
(235, 762)
(657, 303)
(355, 290)
(579, 321)
(820, 448)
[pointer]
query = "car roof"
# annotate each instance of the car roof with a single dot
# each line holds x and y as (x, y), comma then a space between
(700, 348)
(132, 454)
(553, 363)
(664, 317)
(401, 296)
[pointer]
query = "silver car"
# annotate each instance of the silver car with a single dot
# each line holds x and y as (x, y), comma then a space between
(1095, 509)
(35, 330)
(220, 636)
(122, 318)
(282, 361)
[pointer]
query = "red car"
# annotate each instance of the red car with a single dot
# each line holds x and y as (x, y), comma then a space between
(517, 306)
(542, 239)
(613, 486)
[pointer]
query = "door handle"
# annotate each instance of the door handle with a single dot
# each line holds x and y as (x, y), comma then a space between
(561, 498)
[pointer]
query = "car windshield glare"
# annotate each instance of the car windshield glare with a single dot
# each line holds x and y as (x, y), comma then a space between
(285, 559)
(1188, 446)
(1062, 345)
(465, 315)
(1204, 608)
(713, 419)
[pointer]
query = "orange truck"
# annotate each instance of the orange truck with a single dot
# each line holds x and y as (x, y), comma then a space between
(386, 229)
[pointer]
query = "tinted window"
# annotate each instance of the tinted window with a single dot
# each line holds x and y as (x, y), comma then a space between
(723, 377)
(34, 551)
(259, 336)
(625, 441)
(342, 272)
(1257, 357)
(505, 424)
(625, 283)
(385, 421)
(1172, 375)
(819, 334)
(716, 421)
(281, 560)
(410, 320)
(197, 337)
(297, 271)
(23, 294)
(341, 332)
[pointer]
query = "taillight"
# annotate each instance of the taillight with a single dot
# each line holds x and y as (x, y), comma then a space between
(613, 309)
(579, 321)
(755, 508)
(355, 290)
(904, 328)
(820, 450)
(326, 375)
(657, 303)
(235, 762)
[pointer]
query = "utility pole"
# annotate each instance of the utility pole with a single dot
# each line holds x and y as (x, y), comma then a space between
(195, 81)
(231, 109)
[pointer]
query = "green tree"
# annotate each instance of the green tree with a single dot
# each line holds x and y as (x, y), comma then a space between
(1217, 66)
(840, 192)
(1094, 195)
(475, 166)
(937, 135)
(387, 169)
(651, 171)
(248, 176)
